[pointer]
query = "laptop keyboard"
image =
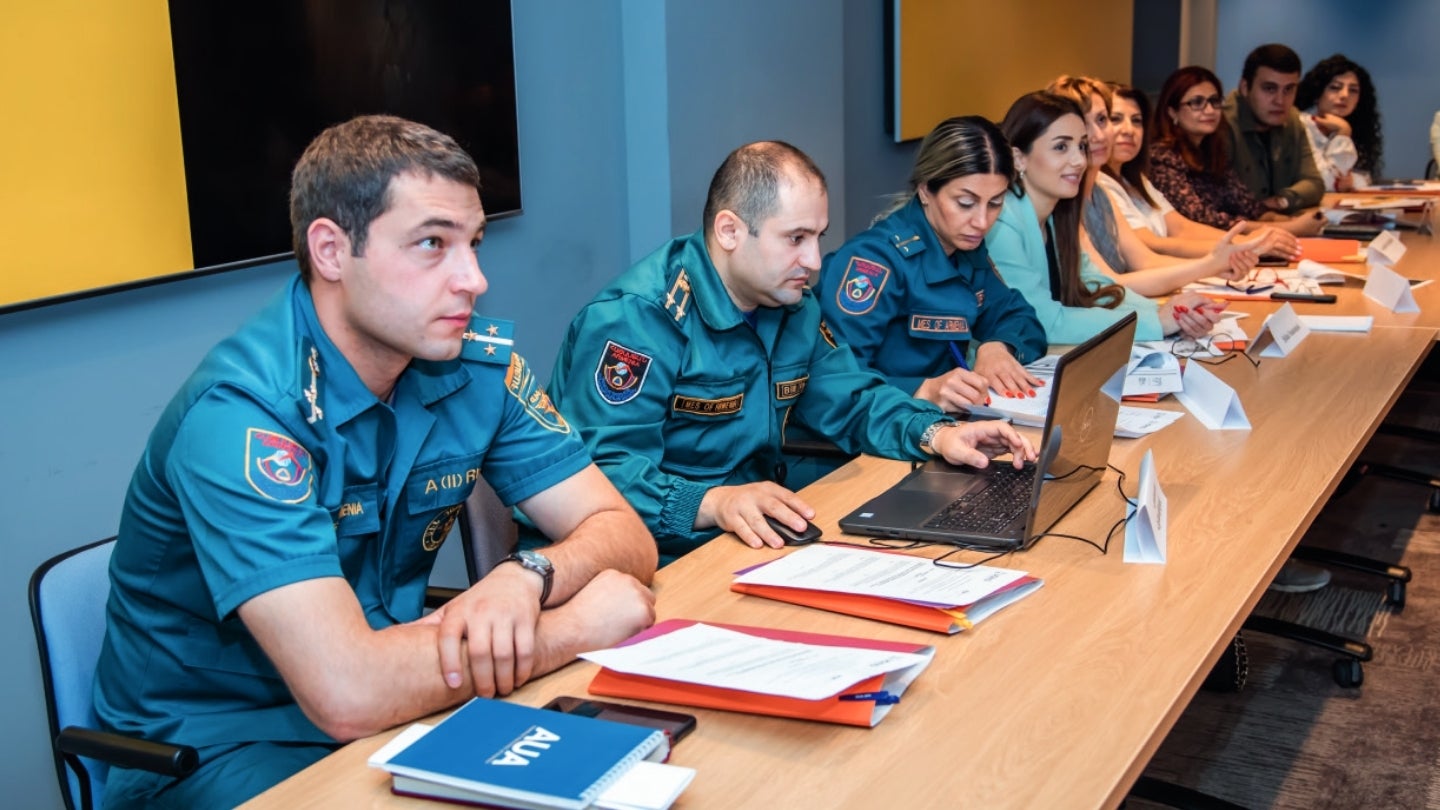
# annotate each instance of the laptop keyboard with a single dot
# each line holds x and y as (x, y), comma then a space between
(1006, 496)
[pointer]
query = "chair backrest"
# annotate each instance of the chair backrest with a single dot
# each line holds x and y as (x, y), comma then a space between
(488, 530)
(67, 604)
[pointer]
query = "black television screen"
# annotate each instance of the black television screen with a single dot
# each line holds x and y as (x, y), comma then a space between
(257, 80)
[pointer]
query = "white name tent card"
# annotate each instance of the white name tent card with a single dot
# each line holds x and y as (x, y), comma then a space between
(1214, 403)
(1389, 289)
(1145, 533)
(1386, 249)
(1279, 334)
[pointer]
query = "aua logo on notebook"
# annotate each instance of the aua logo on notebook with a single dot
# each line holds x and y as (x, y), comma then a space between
(530, 745)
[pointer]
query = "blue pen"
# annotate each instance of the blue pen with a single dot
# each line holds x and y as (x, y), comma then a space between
(880, 698)
(959, 356)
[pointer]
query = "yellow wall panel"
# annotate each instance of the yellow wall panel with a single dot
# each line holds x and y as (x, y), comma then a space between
(92, 180)
(975, 57)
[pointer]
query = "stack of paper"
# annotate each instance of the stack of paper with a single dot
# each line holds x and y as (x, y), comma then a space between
(810, 676)
(889, 587)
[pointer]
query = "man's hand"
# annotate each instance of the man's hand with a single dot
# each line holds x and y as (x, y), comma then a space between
(742, 509)
(1276, 203)
(609, 609)
(954, 389)
(1003, 372)
(496, 619)
(975, 443)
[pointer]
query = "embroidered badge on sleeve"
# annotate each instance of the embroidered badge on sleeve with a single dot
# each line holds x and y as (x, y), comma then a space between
(277, 466)
(522, 384)
(620, 374)
(861, 286)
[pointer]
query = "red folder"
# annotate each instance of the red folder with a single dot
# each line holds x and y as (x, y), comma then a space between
(864, 713)
(894, 611)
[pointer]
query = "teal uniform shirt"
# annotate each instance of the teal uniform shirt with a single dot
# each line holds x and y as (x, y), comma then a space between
(1018, 250)
(674, 393)
(275, 464)
(893, 295)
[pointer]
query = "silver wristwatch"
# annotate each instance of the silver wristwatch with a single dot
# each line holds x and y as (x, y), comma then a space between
(929, 435)
(540, 564)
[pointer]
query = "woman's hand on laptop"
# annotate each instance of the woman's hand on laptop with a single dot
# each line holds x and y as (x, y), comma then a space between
(975, 443)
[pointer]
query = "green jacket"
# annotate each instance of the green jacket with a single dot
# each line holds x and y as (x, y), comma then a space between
(1280, 165)
(674, 393)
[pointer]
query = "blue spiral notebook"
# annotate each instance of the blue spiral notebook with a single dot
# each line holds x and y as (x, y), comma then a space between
(509, 755)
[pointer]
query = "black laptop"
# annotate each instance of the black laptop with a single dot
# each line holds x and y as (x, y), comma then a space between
(1000, 507)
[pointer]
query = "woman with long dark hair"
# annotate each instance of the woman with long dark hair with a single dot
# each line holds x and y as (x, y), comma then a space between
(1342, 117)
(916, 294)
(1036, 242)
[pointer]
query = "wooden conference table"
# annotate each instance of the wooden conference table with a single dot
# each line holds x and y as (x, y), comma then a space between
(1061, 699)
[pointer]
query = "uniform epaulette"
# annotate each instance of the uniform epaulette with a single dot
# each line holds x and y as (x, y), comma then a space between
(488, 340)
(677, 298)
(309, 382)
(909, 245)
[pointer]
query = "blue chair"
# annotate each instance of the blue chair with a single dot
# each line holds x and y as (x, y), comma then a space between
(67, 603)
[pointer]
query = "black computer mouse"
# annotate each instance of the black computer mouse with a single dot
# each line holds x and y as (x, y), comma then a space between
(790, 536)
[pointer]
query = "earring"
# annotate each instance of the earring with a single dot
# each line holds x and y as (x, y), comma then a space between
(1022, 175)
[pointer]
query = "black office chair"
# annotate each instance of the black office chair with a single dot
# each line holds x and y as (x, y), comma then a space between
(488, 530)
(67, 604)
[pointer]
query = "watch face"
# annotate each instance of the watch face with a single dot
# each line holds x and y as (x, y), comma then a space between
(534, 558)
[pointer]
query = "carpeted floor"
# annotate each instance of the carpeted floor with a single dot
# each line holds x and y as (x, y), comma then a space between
(1293, 738)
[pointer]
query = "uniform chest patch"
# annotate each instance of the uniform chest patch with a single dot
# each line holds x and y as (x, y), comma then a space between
(861, 286)
(277, 466)
(979, 298)
(946, 325)
(620, 374)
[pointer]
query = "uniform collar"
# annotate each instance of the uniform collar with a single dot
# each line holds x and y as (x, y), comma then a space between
(708, 295)
(912, 221)
(329, 387)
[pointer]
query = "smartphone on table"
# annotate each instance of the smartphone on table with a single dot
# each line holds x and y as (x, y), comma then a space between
(675, 724)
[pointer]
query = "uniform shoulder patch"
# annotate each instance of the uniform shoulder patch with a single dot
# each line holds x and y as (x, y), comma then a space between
(522, 384)
(620, 374)
(276, 466)
(861, 285)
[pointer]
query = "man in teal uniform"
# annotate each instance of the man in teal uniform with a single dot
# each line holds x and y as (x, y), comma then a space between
(681, 374)
(268, 580)
(911, 312)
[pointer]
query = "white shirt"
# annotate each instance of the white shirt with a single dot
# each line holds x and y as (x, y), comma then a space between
(1137, 212)
(1334, 154)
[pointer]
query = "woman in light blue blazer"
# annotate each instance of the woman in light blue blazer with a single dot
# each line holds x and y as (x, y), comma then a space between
(1036, 242)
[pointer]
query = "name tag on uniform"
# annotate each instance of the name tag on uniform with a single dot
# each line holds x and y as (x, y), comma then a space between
(940, 327)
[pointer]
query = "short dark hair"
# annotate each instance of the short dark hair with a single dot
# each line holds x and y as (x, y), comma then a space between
(1027, 119)
(1364, 122)
(1277, 57)
(748, 182)
(345, 174)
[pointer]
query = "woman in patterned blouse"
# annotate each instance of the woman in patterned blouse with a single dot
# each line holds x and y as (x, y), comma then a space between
(1190, 163)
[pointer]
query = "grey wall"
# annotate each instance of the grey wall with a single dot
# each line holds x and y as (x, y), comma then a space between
(1393, 39)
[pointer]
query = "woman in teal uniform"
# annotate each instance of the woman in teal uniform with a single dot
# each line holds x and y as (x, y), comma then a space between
(1036, 242)
(916, 294)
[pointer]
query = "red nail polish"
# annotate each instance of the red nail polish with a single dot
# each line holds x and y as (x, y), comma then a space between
(987, 400)
(1180, 309)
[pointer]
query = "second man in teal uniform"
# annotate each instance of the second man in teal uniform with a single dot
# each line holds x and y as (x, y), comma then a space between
(682, 374)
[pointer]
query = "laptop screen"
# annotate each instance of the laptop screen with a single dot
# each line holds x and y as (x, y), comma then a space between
(1081, 423)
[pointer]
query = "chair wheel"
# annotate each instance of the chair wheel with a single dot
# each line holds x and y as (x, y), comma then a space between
(1434, 504)
(1348, 672)
(1395, 595)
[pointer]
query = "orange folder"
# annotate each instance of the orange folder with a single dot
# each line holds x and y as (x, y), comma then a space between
(908, 614)
(1318, 249)
(864, 713)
